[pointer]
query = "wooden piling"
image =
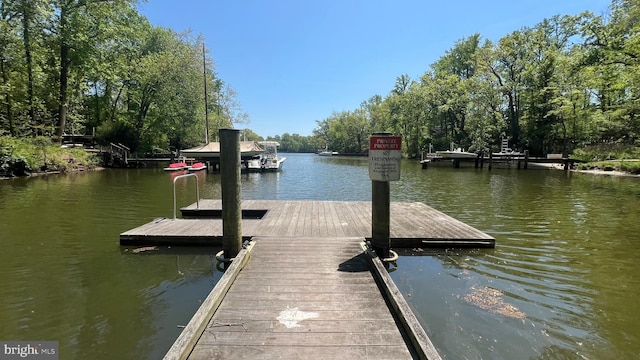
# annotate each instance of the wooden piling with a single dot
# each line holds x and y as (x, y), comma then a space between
(526, 159)
(380, 217)
(231, 196)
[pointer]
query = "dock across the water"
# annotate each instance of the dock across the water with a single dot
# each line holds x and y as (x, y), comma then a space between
(412, 224)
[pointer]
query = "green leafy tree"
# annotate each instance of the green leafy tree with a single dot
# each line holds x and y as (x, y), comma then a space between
(614, 56)
(8, 44)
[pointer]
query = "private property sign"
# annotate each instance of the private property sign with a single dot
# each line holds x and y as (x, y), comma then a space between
(385, 153)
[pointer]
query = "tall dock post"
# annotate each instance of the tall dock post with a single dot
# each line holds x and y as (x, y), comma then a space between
(231, 193)
(385, 155)
(380, 218)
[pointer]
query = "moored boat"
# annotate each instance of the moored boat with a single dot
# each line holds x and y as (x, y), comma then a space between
(253, 165)
(177, 166)
(508, 152)
(197, 166)
(456, 154)
(270, 161)
(328, 153)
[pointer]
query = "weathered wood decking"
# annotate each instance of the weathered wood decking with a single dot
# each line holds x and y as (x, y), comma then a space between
(412, 224)
(304, 298)
(307, 287)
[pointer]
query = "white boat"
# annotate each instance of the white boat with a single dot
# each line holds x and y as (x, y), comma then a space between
(253, 165)
(507, 152)
(269, 160)
(328, 153)
(456, 154)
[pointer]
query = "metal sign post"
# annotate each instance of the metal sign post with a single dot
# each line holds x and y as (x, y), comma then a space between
(385, 155)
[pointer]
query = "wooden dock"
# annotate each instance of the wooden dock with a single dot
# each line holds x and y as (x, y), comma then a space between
(413, 224)
(519, 160)
(304, 298)
(307, 286)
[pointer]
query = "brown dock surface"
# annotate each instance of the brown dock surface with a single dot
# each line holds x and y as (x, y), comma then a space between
(302, 298)
(413, 224)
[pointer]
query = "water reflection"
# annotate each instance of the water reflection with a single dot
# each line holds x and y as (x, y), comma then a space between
(557, 238)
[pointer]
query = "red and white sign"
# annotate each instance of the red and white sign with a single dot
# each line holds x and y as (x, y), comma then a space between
(385, 154)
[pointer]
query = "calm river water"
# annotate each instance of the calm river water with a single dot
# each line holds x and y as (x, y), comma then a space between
(562, 282)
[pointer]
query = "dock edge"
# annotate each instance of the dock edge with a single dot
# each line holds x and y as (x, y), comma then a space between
(422, 345)
(189, 336)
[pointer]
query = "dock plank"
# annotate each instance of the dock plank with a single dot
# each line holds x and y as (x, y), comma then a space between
(299, 352)
(320, 326)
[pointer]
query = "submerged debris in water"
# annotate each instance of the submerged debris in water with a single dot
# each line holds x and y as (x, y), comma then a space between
(146, 248)
(491, 299)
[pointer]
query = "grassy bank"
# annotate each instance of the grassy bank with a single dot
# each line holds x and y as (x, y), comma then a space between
(21, 157)
(609, 157)
(628, 166)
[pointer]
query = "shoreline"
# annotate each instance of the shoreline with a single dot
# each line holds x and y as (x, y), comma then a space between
(592, 172)
(58, 172)
(608, 173)
(537, 166)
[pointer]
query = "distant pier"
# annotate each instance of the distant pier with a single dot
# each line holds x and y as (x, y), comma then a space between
(519, 160)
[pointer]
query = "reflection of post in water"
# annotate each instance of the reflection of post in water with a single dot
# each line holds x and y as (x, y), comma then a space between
(178, 265)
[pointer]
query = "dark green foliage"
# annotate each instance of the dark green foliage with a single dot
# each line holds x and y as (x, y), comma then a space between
(19, 157)
(74, 66)
(116, 132)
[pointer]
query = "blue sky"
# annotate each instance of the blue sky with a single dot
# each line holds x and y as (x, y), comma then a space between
(293, 62)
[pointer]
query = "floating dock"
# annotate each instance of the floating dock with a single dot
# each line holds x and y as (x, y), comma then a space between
(413, 224)
(306, 285)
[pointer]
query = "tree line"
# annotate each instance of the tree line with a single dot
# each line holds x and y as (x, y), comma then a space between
(72, 66)
(567, 83)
